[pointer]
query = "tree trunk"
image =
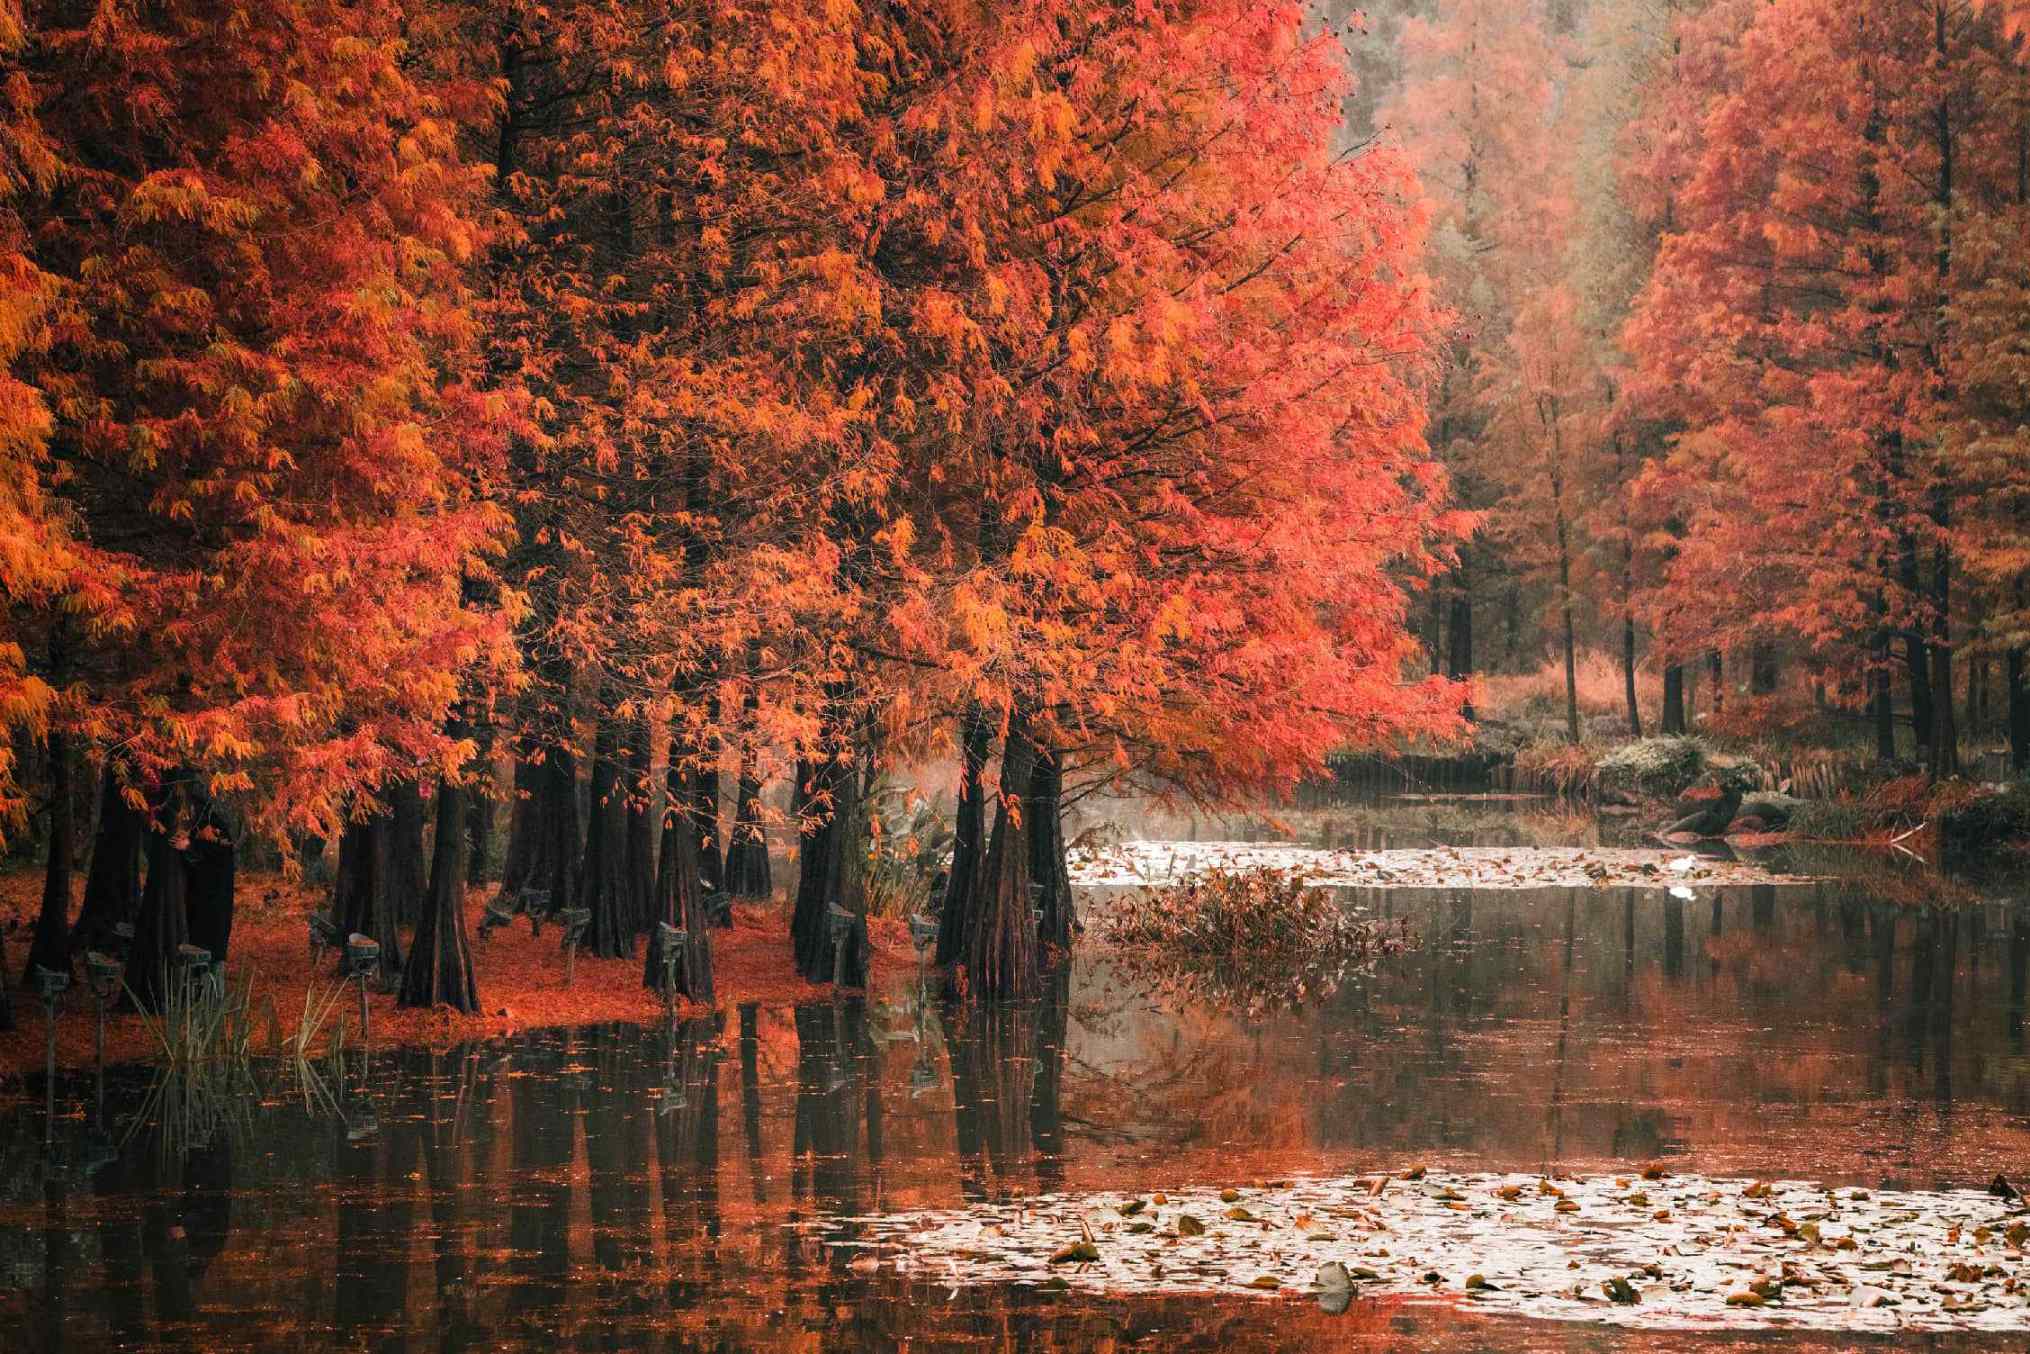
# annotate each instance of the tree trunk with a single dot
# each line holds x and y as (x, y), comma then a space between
(113, 881)
(1762, 674)
(163, 922)
(1001, 960)
(405, 846)
(1945, 741)
(611, 933)
(1047, 865)
(439, 971)
(680, 901)
(1674, 700)
(1628, 676)
(1459, 639)
(2019, 713)
(747, 870)
(518, 866)
(962, 885)
(642, 822)
(702, 794)
(827, 873)
(212, 861)
(1883, 702)
(50, 948)
(1571, 676)
(479, 810)
(361, 903)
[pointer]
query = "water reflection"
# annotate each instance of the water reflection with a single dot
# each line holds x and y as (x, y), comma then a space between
(584, 1187)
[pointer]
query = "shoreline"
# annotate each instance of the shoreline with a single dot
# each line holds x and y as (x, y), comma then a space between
(520, 980)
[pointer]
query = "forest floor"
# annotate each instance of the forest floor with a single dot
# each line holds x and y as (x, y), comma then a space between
(520, 978)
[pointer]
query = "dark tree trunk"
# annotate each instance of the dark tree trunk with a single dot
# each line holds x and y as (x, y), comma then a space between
(747, 874)
(6, 996)
(1001, 960)
(1460, 639)
(2019, 712)
(558, 846)
(1674, 700)
(1945, 740)
(642, 822)
(519, 866)
(164, 922)
(604, 877)
(962, 885)
(479, 811)
(50, 948)
(1047, 866)
(439, 971)
(213, 866)
(361, 904)
(1882, 702)
(747, 871)
(1762, 673)
(405, 845)
(1628, 676)
(703, 793)
(826, 870)
(680, 901)
(1716, 667)
(113, 882)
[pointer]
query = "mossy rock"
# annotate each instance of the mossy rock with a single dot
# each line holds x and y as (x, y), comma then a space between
(1659, 767)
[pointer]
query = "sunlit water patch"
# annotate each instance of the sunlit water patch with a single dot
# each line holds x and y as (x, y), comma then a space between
(1675, 1252)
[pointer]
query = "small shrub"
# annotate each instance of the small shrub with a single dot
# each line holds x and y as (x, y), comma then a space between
(909, 843)
(1842, 819)
(1253, 939)
(1568, 770)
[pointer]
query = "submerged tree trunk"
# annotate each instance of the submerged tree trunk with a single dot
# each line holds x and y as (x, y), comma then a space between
(439, 971)
(113, 881)
(50, 948)
(1674, 699)
(1001, 958)
(962, 885)
(1050, 874)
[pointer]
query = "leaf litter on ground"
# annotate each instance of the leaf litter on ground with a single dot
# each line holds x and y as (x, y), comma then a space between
(1662, 1251)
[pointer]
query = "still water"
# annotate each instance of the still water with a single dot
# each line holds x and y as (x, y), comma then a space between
(674, 1189)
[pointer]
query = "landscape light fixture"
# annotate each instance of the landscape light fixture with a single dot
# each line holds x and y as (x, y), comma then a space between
(842, 923)
(535, 902)
(922, 931)
(103, 972)
(49, 984)
(575, 921)
(676, 951)
(324, 935)
(362, 957)
(717, 905)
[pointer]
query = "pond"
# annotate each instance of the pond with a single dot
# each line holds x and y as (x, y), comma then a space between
(690, 1187)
